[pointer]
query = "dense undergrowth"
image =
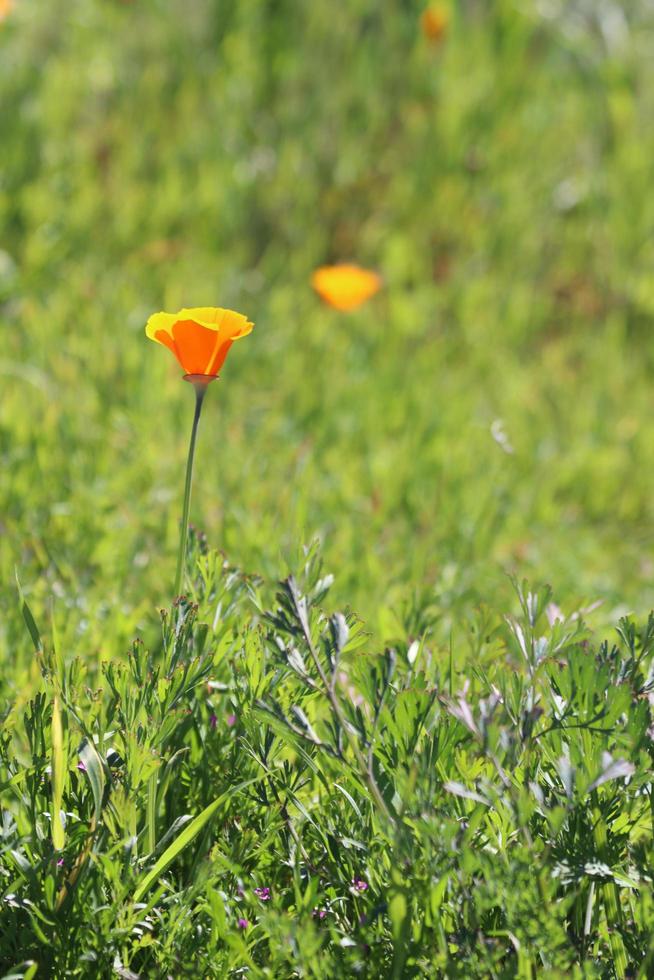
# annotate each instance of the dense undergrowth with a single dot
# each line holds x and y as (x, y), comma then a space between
(457, 783)
(263, 794)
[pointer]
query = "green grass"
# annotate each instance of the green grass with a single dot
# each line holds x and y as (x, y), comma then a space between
(397, 815)
(489, 412)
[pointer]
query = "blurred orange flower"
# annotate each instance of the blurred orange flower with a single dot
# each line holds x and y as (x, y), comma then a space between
(5, 8)
(199, 338)
(434, 21)
(345, 286)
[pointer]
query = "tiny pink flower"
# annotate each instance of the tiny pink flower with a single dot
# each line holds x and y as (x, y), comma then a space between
(231, 720)
(359, 885)
(213, 721)
(263, 894)
(242, 923)
(319, 913)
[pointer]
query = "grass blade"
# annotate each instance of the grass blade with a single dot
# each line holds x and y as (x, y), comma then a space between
(95, 772)
(30, 622)
(188, 834)
(58, 776)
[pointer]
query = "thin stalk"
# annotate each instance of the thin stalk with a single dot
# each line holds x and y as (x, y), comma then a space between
(365, 769)
(200, 390)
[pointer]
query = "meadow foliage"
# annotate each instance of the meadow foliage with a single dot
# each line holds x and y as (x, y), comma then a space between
(390, 751)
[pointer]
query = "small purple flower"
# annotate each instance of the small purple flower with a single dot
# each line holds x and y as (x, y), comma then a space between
(81, 767)
(213, 721)
(359, 885)
(319, 913)
(231, 720)
(242, 923)
(263, 894)
(60, 863)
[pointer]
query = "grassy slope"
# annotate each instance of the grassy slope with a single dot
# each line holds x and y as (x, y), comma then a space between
(166, 154)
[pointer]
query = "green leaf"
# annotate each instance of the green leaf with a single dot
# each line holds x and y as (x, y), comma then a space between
(30, 622)
(349, 798)
(24, 971)
(95, 772)
(397, 914)
(187, 835)
(58, 776)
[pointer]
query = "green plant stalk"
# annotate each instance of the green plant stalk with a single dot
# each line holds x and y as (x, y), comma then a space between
(58, 776)
(365, 769)
(614, 925)
(152, 811)
(200, 389)
(612, 909)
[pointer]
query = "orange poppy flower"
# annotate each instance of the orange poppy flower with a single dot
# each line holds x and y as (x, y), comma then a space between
(434, 22)
(345, 286)
(199, 338)
(5, 8)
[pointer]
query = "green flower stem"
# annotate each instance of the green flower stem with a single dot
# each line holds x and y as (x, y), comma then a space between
(200, 387)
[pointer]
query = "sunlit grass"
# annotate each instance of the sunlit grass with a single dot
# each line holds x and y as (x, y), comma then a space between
(413, 785)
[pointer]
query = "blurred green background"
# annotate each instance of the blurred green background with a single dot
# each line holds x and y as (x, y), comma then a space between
(491, 409)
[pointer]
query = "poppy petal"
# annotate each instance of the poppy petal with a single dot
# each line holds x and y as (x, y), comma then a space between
(345, 287)
(199, 337)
